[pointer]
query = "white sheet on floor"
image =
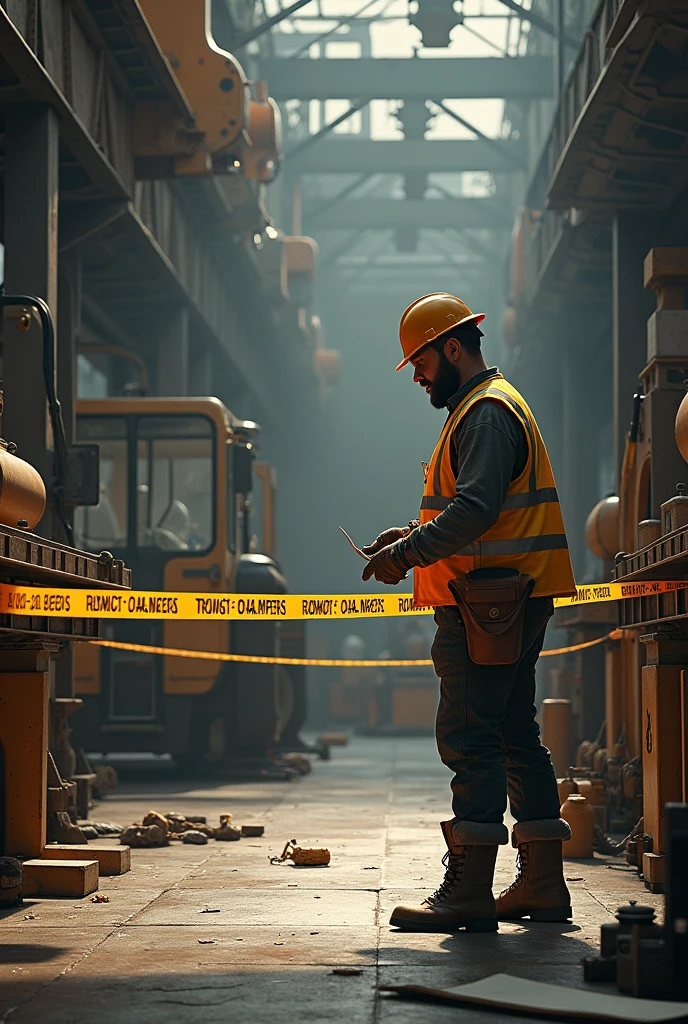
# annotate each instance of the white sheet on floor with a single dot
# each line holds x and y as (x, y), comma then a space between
(508, 992)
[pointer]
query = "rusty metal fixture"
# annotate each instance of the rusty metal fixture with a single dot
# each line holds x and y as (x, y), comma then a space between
(649, 532)
(22, 491)
(302, 856)
(602, 528)
(24, 321)
(674, 512)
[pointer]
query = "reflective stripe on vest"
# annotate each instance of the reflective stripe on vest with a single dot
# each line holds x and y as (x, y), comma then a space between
(529, 534)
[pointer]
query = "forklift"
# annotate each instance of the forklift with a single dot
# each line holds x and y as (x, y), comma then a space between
(177, 477)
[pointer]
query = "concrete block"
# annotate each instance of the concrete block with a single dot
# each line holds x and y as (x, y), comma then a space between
(112, 860)
(667, 334)
(75, 878)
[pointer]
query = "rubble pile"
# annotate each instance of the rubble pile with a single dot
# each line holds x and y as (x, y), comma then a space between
(158, 829)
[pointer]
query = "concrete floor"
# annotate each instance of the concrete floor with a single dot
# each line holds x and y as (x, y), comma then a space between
(267, 955)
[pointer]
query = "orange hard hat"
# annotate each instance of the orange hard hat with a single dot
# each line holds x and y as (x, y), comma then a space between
(429, 318)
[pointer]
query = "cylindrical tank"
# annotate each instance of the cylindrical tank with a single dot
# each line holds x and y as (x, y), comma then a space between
(581, 818)
(681, 428)
(602, 528)
(556, 733)
(595, 793)
(566, 787)
(593, 790)
(22, 492)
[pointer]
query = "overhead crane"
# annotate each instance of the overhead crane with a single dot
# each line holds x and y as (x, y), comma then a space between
(344, 155)
(438, 214)
(400, 79)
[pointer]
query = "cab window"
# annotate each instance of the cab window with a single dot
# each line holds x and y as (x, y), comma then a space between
(174, 483)
(103, 527)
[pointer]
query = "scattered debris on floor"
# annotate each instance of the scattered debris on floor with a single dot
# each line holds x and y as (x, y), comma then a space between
(100, 828)
(302, 857)
(100, 897)
(194, 838)
(252, 831)
(227, 833)
(333, 739)
(158, 829)
(10, 881)
(299, 762)
(207, 942)
(144, 835)
(210, 910)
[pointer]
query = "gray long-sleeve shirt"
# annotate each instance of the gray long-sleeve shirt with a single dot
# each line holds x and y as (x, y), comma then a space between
(488, 451)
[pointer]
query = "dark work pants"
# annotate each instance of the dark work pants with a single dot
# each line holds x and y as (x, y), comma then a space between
(486, 729)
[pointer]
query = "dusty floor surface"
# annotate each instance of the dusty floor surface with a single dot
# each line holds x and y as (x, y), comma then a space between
(267, 951)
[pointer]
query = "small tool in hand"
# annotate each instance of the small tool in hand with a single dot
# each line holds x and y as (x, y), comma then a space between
(357, 550)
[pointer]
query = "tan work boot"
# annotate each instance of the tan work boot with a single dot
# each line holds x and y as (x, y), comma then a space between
(539, 890)
(464, 899)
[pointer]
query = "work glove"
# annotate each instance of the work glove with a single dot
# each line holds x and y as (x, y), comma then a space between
(391, 564)
(388, 537)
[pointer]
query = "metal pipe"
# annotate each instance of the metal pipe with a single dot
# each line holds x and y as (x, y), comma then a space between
(476, 131)
(331, 31)
(333, 200)
(559, 48)
(265, 26)
(124, 353)
(326, 129)
(537, 21)
(54, 407)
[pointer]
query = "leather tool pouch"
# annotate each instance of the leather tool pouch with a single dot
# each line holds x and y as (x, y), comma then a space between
(492, 603)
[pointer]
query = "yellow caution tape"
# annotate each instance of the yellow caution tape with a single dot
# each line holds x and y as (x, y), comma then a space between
(594, 593)
(256, 659)
(194, 605)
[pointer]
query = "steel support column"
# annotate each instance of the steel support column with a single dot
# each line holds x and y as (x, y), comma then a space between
(31, 198)
(632, 236)
(68, 324)
(173, 352)
(585, 383)
(201, 372)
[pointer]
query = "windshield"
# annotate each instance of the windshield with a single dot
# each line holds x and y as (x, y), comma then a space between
(172, 504)
(174, 483)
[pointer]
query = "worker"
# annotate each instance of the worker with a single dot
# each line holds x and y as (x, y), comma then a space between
(490, 524)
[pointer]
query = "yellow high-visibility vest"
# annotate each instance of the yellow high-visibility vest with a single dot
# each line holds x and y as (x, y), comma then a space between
(529, 535)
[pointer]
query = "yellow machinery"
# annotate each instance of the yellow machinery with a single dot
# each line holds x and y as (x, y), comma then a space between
(35, 800)
(224, 130)
(262, 160)
(176, 484)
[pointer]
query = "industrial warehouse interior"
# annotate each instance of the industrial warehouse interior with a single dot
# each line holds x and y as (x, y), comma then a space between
(327, 692)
